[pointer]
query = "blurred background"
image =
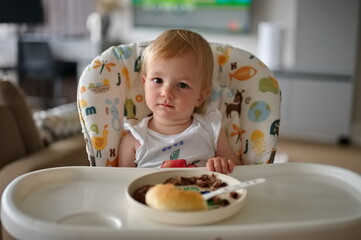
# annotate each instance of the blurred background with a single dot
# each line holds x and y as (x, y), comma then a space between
(313, 47)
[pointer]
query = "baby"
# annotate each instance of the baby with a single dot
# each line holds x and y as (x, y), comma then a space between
(184, 130)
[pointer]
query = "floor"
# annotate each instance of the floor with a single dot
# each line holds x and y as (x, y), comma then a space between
(348, 157)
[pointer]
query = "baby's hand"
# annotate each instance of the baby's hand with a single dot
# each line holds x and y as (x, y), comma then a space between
(221, 165)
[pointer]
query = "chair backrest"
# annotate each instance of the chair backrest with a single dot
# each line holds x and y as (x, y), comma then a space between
(244, 89)
(19, 135)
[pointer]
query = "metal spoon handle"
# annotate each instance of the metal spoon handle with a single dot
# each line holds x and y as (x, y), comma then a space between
(244, 184)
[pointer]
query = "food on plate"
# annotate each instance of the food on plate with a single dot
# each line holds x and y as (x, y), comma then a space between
(210, 182)
(139, 194)
(184, 193)
(167, 197)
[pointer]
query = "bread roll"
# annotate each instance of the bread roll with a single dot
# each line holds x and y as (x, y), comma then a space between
(167, 197)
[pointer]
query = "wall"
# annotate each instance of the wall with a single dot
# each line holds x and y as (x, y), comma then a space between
(327, 36)
(284, 12)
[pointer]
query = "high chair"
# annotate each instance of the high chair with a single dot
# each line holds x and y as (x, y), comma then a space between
(244, 89)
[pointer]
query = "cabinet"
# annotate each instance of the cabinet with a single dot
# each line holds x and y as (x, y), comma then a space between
(316, 107)
(317, 92)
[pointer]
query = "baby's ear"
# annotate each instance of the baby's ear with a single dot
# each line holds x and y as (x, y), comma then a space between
(143, 79)
(203, 96)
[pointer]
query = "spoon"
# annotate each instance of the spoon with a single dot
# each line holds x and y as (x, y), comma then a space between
(232, 188)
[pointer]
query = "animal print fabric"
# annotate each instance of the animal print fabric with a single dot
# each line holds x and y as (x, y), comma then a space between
(244, 90)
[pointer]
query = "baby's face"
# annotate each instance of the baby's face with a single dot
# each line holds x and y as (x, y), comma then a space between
(173, 87)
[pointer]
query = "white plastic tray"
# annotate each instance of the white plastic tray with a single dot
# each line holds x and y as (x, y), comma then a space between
(298, 201)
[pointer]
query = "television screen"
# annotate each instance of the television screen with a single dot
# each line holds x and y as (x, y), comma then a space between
(18, 11)
(214, 15)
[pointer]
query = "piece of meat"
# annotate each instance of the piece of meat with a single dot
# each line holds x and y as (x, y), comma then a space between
(139, 194)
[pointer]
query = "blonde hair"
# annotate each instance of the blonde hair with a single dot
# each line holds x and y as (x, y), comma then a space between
(176, 42)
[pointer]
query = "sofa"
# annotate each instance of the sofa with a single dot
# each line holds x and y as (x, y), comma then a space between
(32, 141)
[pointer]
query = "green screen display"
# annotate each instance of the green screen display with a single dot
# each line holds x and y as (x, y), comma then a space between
(215, 15)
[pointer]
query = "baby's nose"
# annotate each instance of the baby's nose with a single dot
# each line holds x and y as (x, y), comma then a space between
(167, 92)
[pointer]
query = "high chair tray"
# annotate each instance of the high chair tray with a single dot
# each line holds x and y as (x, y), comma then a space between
(297, 201)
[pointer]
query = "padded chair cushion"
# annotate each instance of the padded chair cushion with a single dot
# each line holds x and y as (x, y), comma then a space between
(244, 89)
(57, 123)
(13, 98)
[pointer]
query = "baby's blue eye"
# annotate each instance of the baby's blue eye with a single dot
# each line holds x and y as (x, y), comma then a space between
(157, 80)
(182, 85)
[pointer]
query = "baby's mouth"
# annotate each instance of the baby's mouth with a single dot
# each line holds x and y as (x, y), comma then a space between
(166, 105)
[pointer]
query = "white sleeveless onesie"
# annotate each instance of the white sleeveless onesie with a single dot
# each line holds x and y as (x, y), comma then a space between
(196, 144)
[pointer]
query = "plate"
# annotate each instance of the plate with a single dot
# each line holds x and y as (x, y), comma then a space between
(184, 218)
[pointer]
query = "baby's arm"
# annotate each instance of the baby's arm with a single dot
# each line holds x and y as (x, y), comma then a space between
(225, 158)
(127, 148)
